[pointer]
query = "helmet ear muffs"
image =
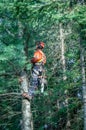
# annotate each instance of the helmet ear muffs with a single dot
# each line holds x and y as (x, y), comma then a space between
(42, 44)
(40, 47)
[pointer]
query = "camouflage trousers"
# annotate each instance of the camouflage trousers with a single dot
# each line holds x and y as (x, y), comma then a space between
(37, 71)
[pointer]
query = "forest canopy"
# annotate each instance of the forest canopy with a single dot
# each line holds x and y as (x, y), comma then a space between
(61, 25)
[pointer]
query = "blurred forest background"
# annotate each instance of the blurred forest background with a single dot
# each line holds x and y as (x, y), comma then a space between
(61, 25)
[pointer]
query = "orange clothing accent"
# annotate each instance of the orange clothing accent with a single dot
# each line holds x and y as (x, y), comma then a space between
(39, 56)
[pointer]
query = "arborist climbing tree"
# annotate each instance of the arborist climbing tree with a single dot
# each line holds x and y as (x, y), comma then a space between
(38, 72)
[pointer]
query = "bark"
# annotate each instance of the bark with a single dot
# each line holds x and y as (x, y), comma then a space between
(82, 58)
(26, 105)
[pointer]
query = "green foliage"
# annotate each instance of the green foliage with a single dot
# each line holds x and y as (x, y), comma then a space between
(24, 22)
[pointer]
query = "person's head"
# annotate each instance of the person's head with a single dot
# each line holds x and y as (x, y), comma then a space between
(40, 45)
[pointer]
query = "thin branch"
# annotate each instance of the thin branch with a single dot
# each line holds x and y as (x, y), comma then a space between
(6, 74)
(10, 33)
(8, 94)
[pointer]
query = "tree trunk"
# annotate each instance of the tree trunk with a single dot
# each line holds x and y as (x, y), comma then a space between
(82, 53)
(26, 105)
(27, 122)
(62, 52)
(64, 73)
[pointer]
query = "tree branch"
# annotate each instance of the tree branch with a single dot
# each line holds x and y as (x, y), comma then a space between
(8, 94)
(10, 33)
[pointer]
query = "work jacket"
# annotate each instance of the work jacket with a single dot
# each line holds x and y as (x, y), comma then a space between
(39, 57)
